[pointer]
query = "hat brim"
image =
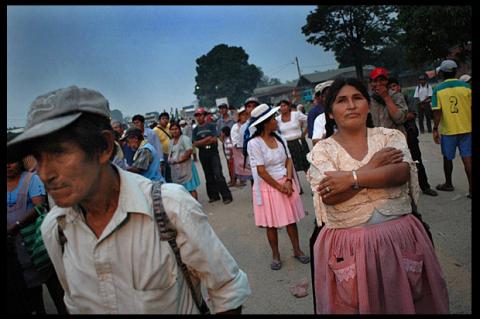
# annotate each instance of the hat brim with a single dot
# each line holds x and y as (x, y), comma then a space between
(264, 117)
(44, 128)
(15, 146)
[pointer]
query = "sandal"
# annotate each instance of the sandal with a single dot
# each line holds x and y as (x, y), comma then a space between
(276, 265)
(445, 188)
(303, 259)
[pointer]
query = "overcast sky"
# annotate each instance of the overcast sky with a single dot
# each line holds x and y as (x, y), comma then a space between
(142, 58)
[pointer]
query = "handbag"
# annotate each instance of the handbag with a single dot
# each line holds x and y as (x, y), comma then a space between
(169, 233)
(32, 238)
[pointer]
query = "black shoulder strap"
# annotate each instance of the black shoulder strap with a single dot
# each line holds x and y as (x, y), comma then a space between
(168, 135)
(169, 233)
(61, 235)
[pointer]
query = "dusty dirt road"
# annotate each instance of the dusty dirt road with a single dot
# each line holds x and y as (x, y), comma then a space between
(448, 214)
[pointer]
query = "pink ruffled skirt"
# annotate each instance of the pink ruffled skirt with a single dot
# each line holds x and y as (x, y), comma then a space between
(277, 209)
(386, 268)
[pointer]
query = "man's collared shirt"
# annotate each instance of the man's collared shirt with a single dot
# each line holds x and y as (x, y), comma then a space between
(316, 110)
(221, 122)
(381, 117)
(128, 269)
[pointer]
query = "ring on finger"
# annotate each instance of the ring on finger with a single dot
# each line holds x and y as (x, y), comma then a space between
(328, 189)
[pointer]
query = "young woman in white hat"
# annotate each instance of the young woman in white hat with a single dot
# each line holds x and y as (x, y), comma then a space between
(276, 199)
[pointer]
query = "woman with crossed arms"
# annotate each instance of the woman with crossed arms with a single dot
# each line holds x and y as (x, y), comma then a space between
(372, 255)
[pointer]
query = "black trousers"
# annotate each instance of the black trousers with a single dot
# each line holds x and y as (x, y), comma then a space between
(212, 168)
(414, 147)
(425, 111)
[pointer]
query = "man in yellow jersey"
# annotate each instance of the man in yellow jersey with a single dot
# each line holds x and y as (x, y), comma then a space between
(452, 110)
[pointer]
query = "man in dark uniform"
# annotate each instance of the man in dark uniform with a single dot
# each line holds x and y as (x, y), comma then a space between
(204, 137)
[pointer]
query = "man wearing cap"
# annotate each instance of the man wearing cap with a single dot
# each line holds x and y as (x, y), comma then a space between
(388, 109)
(319, 129)
(412, 138)
(466, 78)
(205, 138)
(423, 98)
(102, 236)
(452, 127)
(146, 160)
(225, 119)
(148, 134)
(163, 134)
(317, 108)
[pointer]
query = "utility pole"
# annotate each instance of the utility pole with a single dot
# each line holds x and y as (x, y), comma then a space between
(298, 68)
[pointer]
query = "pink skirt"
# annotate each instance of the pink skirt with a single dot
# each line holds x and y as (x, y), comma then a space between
(277, 209)
(242, 173)
(386, 268)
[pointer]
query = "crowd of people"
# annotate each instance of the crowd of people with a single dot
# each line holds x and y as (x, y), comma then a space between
(111, 192)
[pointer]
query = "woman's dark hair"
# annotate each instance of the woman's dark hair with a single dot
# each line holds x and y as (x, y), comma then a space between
(226, 130)
(332, 93)
(172, 124)
(258, 132)
(284, 101)
(86, 132)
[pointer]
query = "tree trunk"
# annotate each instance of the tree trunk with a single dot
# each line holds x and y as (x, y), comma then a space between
(359, 70)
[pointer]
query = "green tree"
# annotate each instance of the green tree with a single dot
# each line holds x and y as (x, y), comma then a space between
(430, 31)
(225, 72)
(267, 81)
(354, 33)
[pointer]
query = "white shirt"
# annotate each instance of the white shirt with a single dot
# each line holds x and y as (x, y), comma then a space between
(292, 129)
(129, 270)
(319, 127)
(273, 159)
(236, 136)
(423, 92)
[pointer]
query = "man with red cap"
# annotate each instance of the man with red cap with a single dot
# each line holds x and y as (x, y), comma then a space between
(388, 108)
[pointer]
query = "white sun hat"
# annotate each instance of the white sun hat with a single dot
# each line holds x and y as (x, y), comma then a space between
(260, 114)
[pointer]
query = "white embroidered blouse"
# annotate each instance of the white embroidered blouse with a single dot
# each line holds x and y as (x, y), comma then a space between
(329, 155)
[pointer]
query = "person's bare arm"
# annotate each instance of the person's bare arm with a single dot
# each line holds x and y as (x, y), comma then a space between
(30, 217)
(385, 169)
(262, 172)
(437, 116)
(184, 157)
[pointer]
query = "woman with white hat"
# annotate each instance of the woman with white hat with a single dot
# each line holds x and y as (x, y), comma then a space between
(276, 199)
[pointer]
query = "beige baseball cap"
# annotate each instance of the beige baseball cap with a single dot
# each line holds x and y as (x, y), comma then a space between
(55, 110)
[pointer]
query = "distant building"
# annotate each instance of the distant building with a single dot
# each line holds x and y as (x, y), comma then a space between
(275, 93)
(151, 117)
(187, 112)
(302, 90)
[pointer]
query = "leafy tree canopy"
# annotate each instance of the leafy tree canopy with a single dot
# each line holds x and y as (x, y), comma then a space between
(431, 31)
(354, 33)
(225, 72)
(267, 81)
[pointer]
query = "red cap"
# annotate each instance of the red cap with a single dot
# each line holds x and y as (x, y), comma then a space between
(201, 110)
(377, 72)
